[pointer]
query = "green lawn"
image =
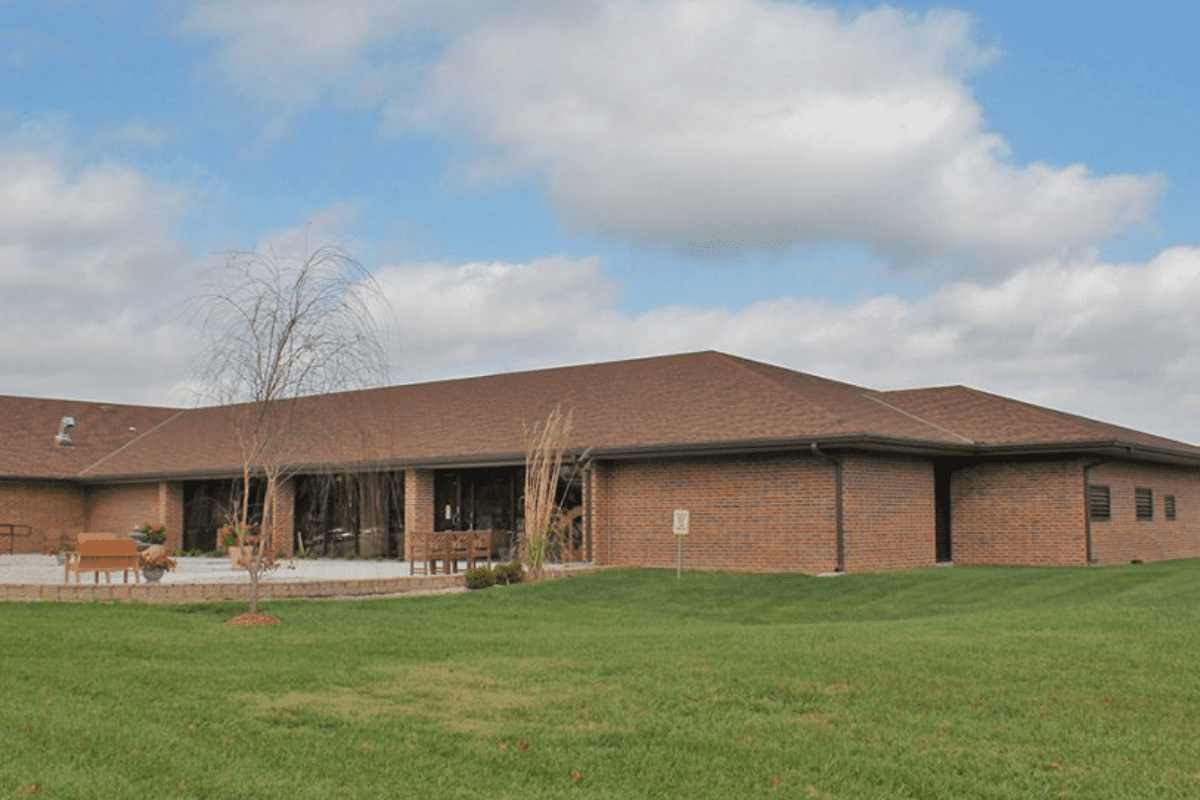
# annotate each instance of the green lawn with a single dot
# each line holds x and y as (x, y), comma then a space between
(945, 683)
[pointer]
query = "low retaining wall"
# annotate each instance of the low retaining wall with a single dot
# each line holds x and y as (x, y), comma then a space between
(212, 592)
(240, 592)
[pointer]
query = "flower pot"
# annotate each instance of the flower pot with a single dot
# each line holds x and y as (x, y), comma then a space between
(236, 557)
(152, 574)
(61, 558)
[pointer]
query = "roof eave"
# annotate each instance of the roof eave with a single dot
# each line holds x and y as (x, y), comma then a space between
(1116, 449)
(855, 441)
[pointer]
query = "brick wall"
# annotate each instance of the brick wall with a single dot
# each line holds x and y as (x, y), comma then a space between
(418, 505)
(120, 509)
(888, 511)
(1027, 513)
(770, 513)
(54, 510)
(1124, 538)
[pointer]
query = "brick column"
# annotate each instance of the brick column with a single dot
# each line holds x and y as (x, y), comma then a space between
(283, 518)
(418, 506)
(595, 506)
(170, 511)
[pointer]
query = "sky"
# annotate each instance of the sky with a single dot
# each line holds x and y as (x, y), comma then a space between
(996, 193)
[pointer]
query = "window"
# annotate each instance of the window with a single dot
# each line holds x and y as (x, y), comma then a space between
(1144, 501)
(1169, 506)
(1099, 503)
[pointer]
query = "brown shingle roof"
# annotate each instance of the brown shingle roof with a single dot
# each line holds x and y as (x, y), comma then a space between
(992, 420)
(664, 404)
(652, 403)
(28, 427)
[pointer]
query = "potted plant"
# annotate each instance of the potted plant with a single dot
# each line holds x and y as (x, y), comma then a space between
(152, 533)
(59, 552)
(238, 543)
(155, 560)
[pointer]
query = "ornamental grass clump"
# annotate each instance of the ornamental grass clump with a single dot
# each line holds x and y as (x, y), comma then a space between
(544, 446)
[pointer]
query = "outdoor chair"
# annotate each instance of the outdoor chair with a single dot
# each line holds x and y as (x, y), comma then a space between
(481, 548)
(422, 557)
(459, 544)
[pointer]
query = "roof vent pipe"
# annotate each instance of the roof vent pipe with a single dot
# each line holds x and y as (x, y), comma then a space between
(63, 437)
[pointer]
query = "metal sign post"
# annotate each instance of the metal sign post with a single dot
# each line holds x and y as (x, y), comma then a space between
(680, 529)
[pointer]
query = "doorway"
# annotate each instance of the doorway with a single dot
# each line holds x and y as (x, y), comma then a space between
(943, 550)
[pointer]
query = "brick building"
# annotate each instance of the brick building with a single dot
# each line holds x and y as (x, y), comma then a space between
(780, 471)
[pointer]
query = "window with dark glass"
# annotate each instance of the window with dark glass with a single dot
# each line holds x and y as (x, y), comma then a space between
(1169, 506)
(1144, 502)
(1099, 503)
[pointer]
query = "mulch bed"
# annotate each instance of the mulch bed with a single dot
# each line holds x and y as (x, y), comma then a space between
(247, 619)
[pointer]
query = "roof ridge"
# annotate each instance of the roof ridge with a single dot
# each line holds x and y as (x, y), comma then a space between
(923, 421)
(132, 441)
(757, 369)
(751, 365)
(862, 391)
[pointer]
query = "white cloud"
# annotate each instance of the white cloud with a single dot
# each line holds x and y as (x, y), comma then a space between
(753, 124)
(90, 275)
(1116, 342)
(484, 316)
(293, 52)
(718, 126)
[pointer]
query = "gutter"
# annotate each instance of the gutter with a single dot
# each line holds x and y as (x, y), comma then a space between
(840, 535)
(1113, 449)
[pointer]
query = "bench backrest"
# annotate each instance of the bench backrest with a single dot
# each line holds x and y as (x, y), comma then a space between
(91, 548)
(86, 537)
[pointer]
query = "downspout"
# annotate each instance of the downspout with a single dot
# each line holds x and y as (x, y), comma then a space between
(1087, 508)
(840, 565)
(587, 510)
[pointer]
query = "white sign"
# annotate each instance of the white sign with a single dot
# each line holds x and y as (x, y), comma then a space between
(681, 522)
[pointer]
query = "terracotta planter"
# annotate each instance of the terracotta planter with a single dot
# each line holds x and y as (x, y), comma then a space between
(237, 558)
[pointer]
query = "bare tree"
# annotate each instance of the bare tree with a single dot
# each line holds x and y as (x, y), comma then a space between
(544, 445)
(281, 329)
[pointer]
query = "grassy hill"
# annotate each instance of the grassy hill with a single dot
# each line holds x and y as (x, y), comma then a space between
(944, 683)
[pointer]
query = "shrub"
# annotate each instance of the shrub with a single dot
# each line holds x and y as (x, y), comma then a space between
(480, 577)
(509, 573)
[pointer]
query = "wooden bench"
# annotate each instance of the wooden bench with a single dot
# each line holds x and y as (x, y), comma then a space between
(102, 552)
(450, 547)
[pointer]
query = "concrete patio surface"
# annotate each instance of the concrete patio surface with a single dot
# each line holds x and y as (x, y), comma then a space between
(201, 569)
(202, 579)
(37, 578)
